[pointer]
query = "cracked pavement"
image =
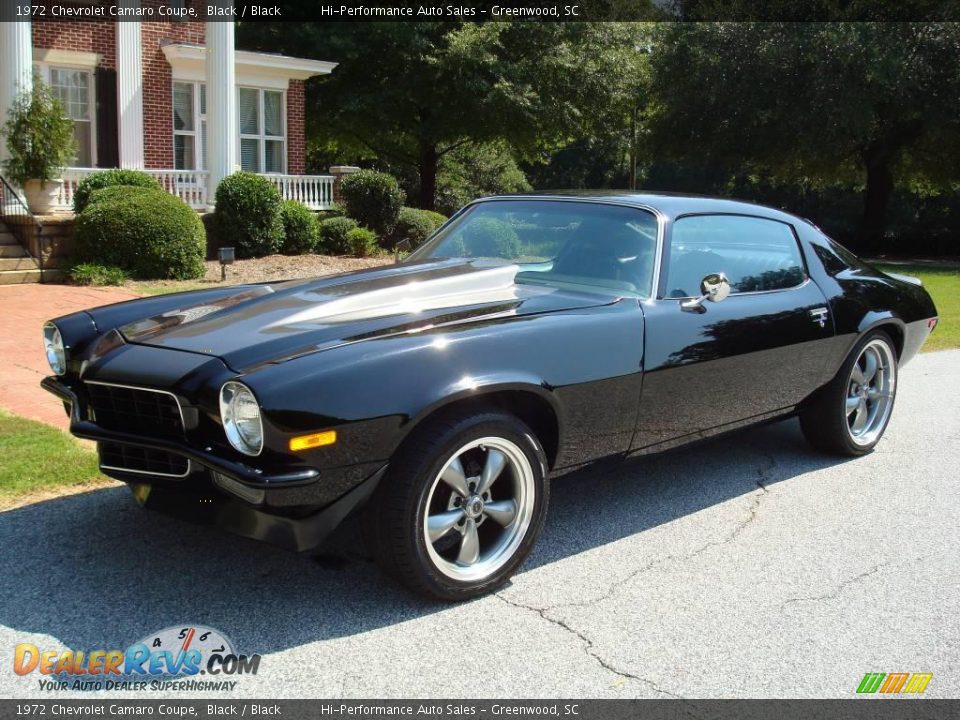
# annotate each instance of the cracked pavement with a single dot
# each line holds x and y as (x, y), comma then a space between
(746, 566)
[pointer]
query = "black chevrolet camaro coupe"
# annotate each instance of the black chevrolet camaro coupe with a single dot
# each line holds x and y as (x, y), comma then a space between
(529, 336)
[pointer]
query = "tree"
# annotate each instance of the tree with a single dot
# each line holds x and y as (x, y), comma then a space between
(413, 92)
(875, 103)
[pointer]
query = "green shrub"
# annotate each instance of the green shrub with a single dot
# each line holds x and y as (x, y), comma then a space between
(363, 242)
(150, 234)
(333, 235)
(118, 192)
(93, 274)
(39, 137)
(301, 230)
(489, 237)
(335, 210)
(248, 215)
(415, 225)
(108, 179)
(373, 199)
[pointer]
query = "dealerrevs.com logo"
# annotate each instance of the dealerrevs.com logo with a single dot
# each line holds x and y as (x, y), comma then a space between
(894, 683)
(170, 660)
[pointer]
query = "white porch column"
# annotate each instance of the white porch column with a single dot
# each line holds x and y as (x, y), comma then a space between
(130, 90)
(221, 102)
(16, 62)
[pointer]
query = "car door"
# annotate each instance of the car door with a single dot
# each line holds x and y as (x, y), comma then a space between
(755, 353)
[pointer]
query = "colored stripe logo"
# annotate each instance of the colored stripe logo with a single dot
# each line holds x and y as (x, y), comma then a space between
(893, 683)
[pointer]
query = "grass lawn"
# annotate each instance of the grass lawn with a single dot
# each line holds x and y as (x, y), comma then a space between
(38, 458)
(943, 284)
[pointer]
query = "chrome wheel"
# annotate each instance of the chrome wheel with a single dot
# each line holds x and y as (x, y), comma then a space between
(479, 509)
(870, 392)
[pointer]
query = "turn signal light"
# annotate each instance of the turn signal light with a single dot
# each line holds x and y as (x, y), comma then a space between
(308, 442)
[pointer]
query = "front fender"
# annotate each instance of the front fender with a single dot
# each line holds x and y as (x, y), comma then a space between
(586, 364)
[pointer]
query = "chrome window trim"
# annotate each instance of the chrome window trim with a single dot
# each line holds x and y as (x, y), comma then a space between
(151, 472)
(183, 423)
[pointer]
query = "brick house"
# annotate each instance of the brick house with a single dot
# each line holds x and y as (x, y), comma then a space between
(173, 98)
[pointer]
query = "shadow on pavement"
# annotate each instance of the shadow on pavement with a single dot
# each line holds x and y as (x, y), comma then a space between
(96, 571)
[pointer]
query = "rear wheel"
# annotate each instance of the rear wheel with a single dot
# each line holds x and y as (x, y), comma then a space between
(850, 415)
(461, 505)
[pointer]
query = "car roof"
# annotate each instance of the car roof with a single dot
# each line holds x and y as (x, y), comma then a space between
(671, 205)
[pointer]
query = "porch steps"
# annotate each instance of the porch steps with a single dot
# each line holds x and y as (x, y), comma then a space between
(16, 266)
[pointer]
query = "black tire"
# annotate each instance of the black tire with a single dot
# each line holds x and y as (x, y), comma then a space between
(394, 519)
(824, 420)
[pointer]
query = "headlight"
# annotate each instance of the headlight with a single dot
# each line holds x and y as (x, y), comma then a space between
(241, 418)
(53, 344)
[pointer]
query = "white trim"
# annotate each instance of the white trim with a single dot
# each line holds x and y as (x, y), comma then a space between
(71, 58)
(130, 125)
(263, 70)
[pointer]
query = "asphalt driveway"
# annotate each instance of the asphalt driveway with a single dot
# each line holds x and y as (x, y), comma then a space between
(747, 566)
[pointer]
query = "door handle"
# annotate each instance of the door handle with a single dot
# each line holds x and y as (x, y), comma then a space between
(819, 315)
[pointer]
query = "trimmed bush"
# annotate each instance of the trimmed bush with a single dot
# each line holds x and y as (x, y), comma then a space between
(107, 179)
(148, 233)
(301, 230)
(489, 237)
(93, 274)
(333, 235)
(373, 199)
(335, 210)
(416, 225)
(248, 215)
(363, 242)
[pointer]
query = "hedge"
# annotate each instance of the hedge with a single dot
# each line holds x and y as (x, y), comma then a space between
(363, 242)
(301, 229)
(415, 225)
(150, 234)
(248, 215)
(373, 199)
(333, 235)
(110, 178)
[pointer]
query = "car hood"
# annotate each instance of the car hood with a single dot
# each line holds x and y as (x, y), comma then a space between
(275, 322)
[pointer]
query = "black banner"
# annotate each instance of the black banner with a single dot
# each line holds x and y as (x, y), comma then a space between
(478, 10)
(855, 709)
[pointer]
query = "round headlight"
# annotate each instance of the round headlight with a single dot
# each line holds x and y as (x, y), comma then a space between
(53, 345)
(240, 413)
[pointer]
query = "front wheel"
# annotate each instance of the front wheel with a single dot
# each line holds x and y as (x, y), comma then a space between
(850, 415)
(461, 505)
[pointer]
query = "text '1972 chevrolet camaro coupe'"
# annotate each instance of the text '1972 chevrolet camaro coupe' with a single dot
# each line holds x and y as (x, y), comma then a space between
(530, 335)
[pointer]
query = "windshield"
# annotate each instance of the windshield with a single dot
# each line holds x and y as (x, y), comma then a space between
(586, 244)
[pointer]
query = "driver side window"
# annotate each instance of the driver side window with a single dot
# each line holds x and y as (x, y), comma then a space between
(756, 254)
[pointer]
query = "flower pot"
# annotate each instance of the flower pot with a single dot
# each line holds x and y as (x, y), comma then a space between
(42, 195)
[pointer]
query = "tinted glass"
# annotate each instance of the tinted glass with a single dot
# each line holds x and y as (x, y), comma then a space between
(755, 254)
(558, 242)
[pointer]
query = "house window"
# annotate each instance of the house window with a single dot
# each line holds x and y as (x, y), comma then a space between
(189, 126)
(262, 130)
(74, 88)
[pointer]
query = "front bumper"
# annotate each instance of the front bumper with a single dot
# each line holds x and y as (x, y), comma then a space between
(252, 477)
(302, 534)
(295, 508)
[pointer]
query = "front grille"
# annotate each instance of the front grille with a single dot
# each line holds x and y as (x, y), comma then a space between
(135, 410)
(130, 458)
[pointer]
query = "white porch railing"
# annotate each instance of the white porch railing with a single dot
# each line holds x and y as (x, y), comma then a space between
(314, 191)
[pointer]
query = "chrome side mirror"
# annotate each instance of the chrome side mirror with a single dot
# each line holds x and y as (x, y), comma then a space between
(714, 287)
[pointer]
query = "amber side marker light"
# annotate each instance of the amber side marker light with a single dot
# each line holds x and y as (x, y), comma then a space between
(315, 440)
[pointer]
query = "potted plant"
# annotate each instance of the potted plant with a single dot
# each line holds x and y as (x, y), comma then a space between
(40, 143)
